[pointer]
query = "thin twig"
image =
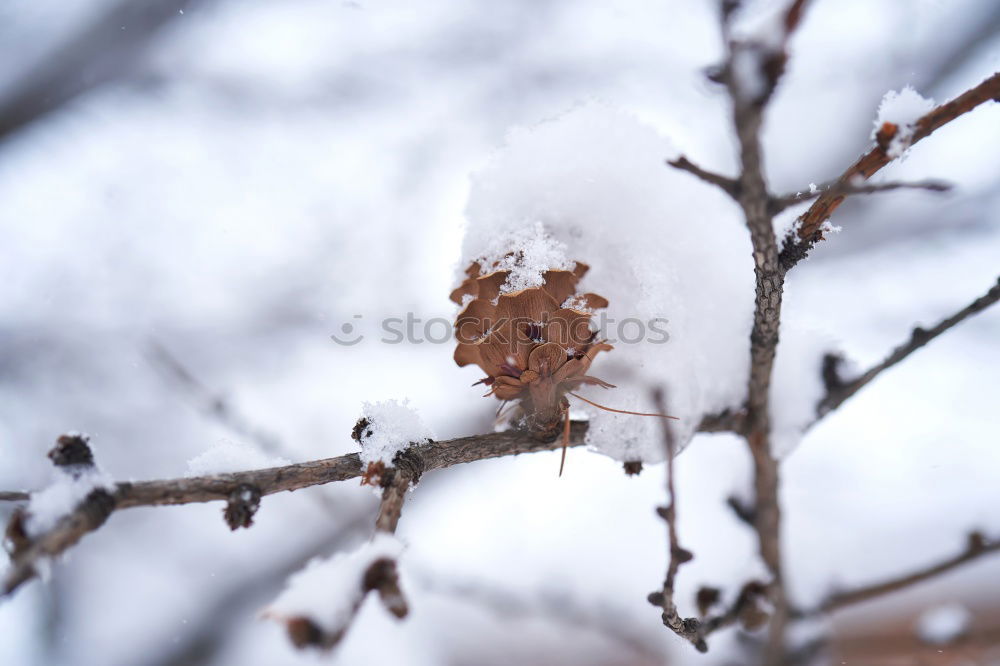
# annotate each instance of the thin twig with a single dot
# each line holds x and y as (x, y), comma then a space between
(810, 224)
(726, 184)
(780, 203)
(394, 486)
(976, 546)
(687, 628)
(14, 496)
(842, 391)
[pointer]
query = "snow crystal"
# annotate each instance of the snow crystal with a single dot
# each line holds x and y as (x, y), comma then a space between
(328, 590)
(661, 246)
(392, 427)
(228, 456)
(536, 253)
(576, 302)
(903, 109)
(47, 506)
(943, 624)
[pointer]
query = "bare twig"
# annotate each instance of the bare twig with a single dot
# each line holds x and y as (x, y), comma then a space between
(741, 510)
(744, 609)
(92, 513)
(780, 203)
(687, 628)
(726, 184)
(976, 546)
(842, 391)
(395, 482)
(14, 496)
(810, 224)
(726, 421)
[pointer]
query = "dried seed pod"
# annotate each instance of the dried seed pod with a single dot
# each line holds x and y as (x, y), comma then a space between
(535, 345)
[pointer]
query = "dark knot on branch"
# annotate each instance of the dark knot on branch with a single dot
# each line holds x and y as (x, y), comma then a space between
(241, 506)
(72, 450)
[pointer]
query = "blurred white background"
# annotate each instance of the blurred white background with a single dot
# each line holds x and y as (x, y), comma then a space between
(232, 181)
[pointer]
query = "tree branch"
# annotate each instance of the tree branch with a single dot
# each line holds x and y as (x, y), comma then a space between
(840, 392)
(395, 483)
(92, 513)
(810, 224)
(687, 628)
(976, 546)
(751, 73)
(780, 203)
(727, 185)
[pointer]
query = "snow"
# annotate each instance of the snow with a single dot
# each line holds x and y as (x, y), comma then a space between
(47, 506)
(903, 109)
(797, 384)
(660, 245)
(392, 427)
(539, 252)
(943, 624)
(229, 456)
(328, 590)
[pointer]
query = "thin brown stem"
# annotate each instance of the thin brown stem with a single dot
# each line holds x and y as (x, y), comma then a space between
(810, 224)
(842, 391)
(394, 490)
(976, 546)
(780, 203)
(728, 185)
(687, 628)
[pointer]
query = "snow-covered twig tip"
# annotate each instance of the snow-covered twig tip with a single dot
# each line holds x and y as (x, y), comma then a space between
(319, 602)
(384, 430)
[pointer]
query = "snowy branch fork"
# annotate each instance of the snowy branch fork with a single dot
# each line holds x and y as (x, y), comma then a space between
(749, 94)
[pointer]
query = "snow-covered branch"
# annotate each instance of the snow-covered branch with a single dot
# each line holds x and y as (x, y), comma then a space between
(94, 508)
(809, 228)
